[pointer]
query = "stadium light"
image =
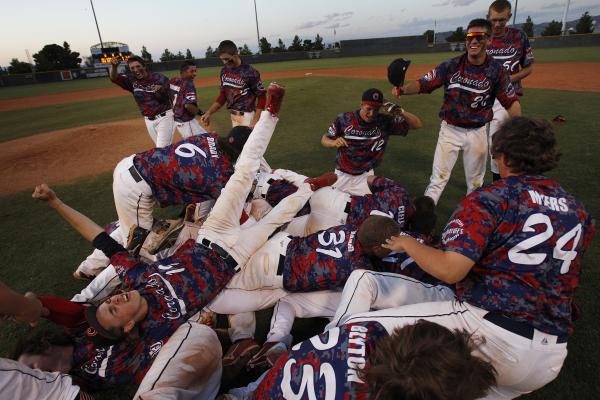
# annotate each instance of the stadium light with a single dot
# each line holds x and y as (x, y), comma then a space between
(564, 19)
(257, 34)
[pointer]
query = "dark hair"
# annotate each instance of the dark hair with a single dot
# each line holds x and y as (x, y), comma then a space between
(186, 64)
(138, 59)
(376, 229)
(233, 143)
(423, 220)
(528, 145)
(39, 341)
(500, 5)
(427, 361)
(481, 22)
(227, 46)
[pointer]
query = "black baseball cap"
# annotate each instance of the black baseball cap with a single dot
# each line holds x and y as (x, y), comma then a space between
(96, 331)
(373, 97)
(238, 136)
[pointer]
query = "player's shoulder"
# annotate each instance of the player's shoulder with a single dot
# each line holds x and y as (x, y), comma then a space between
(516, 34)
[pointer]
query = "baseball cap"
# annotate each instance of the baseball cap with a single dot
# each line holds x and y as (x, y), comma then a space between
(373, 97)
(96, 331)
(238, 136)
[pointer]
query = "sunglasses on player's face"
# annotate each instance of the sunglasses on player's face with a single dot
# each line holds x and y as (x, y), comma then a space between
(480, 36)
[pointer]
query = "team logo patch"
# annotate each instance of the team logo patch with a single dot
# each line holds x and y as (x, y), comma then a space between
(429, 76)
(375, 96)
(91, 332)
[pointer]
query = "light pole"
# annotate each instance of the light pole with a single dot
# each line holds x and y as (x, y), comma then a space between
(515, 14)
(564, 19)
(97, 28)
(257, 34)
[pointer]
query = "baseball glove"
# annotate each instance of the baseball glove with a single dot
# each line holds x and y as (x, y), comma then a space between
(397, 71)
(393, 108)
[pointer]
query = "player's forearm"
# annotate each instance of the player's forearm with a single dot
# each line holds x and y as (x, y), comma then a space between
(113, 72)
(256, 117)
(327, 142)
(82, 224)
(412, 87)
(515, 109)
(522, 74)
(214, 108)
(11, 302)
(413, 121)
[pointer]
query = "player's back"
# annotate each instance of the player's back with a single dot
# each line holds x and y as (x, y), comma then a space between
(531, 264)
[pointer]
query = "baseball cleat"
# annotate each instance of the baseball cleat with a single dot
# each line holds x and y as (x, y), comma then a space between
(327, 179)
(80, 276)
(163, 235)
(275, 94)
(268, 355)
(135, 239)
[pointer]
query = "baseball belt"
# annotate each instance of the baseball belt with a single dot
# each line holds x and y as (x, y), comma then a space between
(162, 114)
(135, 175)
(283, 250)
(229, 260)
(236, 112)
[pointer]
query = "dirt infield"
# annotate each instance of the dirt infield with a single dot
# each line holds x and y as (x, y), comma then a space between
(68, 155)
(561, 76)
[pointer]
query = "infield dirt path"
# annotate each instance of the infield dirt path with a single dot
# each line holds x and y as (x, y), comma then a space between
(68, 155)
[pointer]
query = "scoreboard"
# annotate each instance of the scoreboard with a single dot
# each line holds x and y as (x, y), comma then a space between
(103, 53)
(108, 53)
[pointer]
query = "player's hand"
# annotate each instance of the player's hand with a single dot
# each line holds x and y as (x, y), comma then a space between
(397, 91)
(395, 243)
(340, 142)
(44, 192)
(190, 209)
(205, 119)
(32, 311)
(114, 61)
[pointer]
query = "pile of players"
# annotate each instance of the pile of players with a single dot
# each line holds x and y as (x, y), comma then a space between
(483, 310)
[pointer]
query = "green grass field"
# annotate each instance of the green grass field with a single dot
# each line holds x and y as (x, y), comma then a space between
(40, 251)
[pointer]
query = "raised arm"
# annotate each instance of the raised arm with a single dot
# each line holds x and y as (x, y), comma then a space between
(82, 224)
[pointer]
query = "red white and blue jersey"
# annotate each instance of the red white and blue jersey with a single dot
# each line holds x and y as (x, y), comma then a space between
(469, 90)
(182, 92)
(149, 102)
(240, 86)
(189, 171)
(175, 288)
(366, 141)
(387, 198)
(326, 366)
(526, 235)
(513, 51)
(323, 260)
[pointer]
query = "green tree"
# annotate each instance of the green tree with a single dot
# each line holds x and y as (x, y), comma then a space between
(528, 26)
(554, 28)
(307, 45)
(245, 50)
(210, 52)
(458, 35)
(318, 45)
(19, 67)
(53, 57)
(145, 55)
(188, 55)
(280, 47)
(429, 35)
(179, 56)
(296, 44)
(265, 46)
(585, 24)
(167, 56)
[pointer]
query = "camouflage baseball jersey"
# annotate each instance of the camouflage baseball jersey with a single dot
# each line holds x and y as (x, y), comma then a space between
(189, 171)
(326, 366)
(278, 190)
(513, 51)
(526, 235)
(469, 90)
(323, 260)
(149, 102)
(366, 141)
(388, 199)
(182, 92)
(240, 86)
(175, 288)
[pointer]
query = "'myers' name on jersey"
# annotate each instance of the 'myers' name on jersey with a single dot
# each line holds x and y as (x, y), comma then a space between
(356, 352)
(502, 52)
(235, 81)
(553, 203)
(472, 85)
(351, 133)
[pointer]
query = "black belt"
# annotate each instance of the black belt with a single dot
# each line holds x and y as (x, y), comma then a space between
(134, 174)
(162, 114)
(280, 265)
(229, 260)
(348, 206)
(236, 112)
(516, 327)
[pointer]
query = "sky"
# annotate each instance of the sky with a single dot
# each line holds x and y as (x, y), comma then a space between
(187, 24)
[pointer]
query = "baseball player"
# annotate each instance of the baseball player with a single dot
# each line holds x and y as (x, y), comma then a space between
(511, 48)
(372, 359)
(241, 91)
(361, 137)
(151, 93)
(183, 98)
(471, 84)
(513, 248)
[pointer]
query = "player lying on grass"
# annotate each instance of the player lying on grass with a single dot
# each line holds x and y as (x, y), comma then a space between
(373, 360)
(514, 249)
(163, 295)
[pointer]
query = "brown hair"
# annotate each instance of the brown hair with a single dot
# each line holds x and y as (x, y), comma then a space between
(227, 46)
(500, 5)
(427, 361)
(528, 145)
(376, 229)
(136, 59)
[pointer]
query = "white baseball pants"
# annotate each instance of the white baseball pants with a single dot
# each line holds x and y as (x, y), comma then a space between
(97, 261)
(353, 184)
(241, 120)
(522, 364)
(500, 116)
(452, 139)
(161, 129)
(189, 128)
